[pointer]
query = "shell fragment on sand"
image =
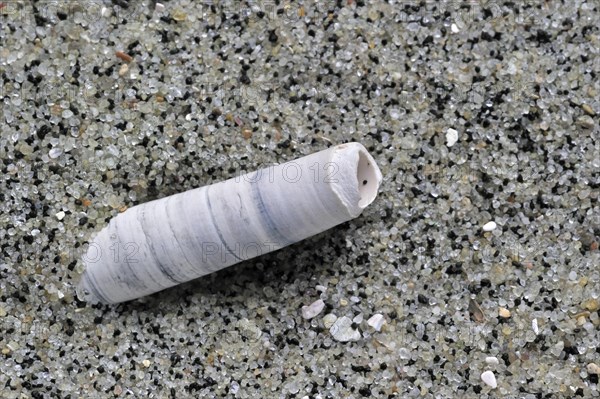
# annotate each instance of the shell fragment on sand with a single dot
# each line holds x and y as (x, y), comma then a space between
(451, 137)
(343, 331)
(490, 226)
(376, 321)
(312, 310)
(166, 242)
(489, 379)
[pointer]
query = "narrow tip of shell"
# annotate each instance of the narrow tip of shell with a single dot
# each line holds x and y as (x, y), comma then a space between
(85, 293)
(359, 177)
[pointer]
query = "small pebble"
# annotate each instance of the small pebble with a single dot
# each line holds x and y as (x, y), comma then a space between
(25, 149)
(454, 28)
(2, 312)
(504, 313)
(273, 37)
(586, 122)
(489, 379)
(320, 288)
(123, 69)
(376, 321)
(490, 226)
(55, 153)
(451, 137)
(159, 7)
(123, 56)
(395, 113)
(312, 310)
(572, 275)
(247, 134)
(588, 110)
(591, 304)
(60, 215)
(492, 360)
(13, 346)
(179, 16)
(329, 319)
(476, 311)
(593, 368)
(534, 326)
(342, 330)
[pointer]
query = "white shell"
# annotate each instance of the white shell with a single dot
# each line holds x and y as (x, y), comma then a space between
(343, 331)
(490, 226)
(376, 321)
(490, 379)
(175, 239)
(312, 310)
(451, 137)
